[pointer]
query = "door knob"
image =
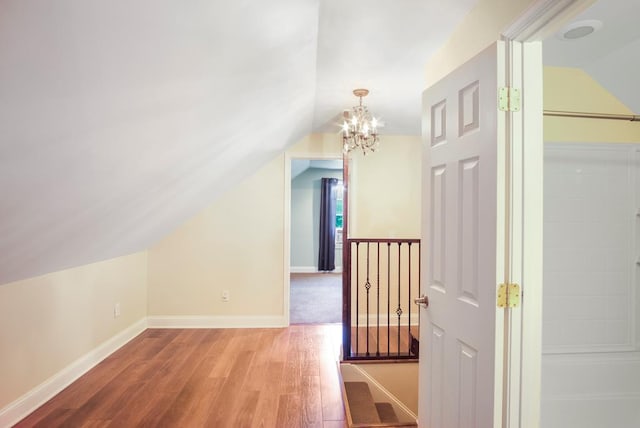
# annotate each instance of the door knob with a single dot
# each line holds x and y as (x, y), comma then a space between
(422, 301)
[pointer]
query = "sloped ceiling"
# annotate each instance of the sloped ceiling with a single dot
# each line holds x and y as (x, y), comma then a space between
(610, 55)
(119, 119)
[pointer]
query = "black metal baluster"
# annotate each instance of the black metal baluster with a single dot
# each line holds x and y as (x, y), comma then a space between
(378, 311)
(367, 285)
(409, 304)
(388, 298)
(357, 296)
(419, 281)
(399, 310)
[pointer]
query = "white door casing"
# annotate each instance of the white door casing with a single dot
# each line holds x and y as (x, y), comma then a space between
(461, 332)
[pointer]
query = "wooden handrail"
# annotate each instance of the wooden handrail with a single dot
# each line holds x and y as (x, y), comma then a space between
(385, 240)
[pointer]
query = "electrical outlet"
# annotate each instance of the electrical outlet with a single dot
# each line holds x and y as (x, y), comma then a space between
(116, 310)
(225, 295)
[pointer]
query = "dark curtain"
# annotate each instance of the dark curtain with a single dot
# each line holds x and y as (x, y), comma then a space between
(327, 250)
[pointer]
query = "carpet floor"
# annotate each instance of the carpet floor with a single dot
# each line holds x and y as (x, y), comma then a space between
(316, 298)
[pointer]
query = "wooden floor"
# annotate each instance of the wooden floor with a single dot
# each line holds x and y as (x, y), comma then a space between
(208, 378)
(393, 341)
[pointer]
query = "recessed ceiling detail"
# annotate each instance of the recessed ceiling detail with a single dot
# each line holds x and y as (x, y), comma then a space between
(608, 54)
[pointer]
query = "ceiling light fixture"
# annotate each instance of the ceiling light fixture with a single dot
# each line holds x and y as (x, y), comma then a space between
(580, 29)
(360, 128)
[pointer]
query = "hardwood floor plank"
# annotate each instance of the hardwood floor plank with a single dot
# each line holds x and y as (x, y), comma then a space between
(311, 402)
(267, 404)
(201, 406)
(227, 402)
(245, 413)
(288, 411)
(331, 392)
(52, 419)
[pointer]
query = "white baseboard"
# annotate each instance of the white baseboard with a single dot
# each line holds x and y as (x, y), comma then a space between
(311, 269)
(39, 395)
(218, 321)
(303, 269)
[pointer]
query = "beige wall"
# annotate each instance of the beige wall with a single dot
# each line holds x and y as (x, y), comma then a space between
(480, 28)
(235, 244)
(238, 242)
(400, 379)
(571, 89)
(385, 190)
(48, 322)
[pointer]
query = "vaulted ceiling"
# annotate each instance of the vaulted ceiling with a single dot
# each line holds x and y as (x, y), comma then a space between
(121, 119)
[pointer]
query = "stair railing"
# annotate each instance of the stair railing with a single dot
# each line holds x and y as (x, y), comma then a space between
(380, 279)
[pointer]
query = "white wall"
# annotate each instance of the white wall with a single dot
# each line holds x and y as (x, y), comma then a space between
(591, 353)
(305, 218)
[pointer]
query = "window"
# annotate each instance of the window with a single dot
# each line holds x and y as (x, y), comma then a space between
(339, 213)
(339, 207)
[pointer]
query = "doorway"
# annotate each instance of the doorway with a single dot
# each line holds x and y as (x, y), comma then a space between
(590, 341)
(315, 295)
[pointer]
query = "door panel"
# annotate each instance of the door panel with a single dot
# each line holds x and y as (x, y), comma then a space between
(460, 214)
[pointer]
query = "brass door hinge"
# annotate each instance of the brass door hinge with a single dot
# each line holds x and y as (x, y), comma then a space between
(509, 296)
(508, 99)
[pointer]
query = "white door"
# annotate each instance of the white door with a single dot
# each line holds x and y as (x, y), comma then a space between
(461, 330)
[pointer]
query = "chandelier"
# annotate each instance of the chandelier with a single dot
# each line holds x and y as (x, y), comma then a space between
(360, 129)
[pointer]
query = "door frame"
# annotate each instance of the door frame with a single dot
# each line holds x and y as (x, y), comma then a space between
(288, 158)
(523, 193)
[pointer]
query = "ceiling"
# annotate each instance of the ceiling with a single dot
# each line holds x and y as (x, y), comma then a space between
(298, 166)
(610, 55)
(120, 120)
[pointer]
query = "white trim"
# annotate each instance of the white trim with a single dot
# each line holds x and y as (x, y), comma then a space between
(303, 269)
(39, 395)
(602, 358)
(593, 397)
(286, 271)
(286, 274)
(524, 70)
(311, 269)
(217, 321)
(543, 18)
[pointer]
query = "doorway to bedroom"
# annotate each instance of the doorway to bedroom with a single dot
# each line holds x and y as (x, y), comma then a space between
(316, 241)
